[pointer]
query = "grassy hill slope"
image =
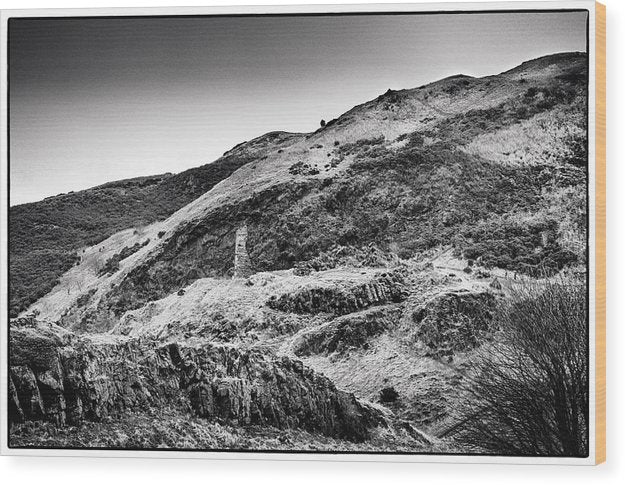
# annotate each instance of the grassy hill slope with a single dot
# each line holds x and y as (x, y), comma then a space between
(398, 172)
(45, 236)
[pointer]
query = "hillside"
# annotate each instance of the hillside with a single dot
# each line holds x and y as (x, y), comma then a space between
(385, 247)
(46, 236)
(333, 187)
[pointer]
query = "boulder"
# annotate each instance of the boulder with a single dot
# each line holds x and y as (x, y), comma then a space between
(454, 322)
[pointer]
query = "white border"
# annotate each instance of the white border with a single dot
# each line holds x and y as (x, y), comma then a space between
(425, 7)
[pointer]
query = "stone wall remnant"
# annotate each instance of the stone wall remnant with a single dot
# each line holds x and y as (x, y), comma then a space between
(242, 262)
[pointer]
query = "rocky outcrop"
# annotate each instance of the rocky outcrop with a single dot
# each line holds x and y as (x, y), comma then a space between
(384, 288)
(454, 322)
(65, 379)
(59, 377)
(347, 332)
(250, 389)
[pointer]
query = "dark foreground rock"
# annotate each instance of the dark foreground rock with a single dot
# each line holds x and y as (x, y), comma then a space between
(58, 377)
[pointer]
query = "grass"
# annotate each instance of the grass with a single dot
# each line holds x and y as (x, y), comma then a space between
(463, 128)
(554, 137)
(171, 429)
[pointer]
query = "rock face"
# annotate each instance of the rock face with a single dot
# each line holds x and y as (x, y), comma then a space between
(349, 331)
(454, 322)
(386, 287)
(59, 377)
(251, 390)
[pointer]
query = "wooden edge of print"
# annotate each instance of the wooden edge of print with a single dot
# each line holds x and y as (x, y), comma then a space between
(600, 234)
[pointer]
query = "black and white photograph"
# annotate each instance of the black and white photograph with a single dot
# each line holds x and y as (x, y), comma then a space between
(310, 233)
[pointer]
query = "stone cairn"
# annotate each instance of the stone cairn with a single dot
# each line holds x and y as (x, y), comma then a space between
(242, 262)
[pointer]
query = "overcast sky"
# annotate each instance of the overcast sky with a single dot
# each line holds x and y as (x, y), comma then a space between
(95, 100)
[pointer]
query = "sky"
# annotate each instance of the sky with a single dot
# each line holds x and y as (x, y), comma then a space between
(95, 100)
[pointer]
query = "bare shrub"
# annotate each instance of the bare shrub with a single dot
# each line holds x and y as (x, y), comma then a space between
(528, 394)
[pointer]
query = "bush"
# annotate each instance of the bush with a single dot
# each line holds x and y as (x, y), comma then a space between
(360, 146)
(529, 392)
(454, 322)
(388, 394)
(301, 168)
